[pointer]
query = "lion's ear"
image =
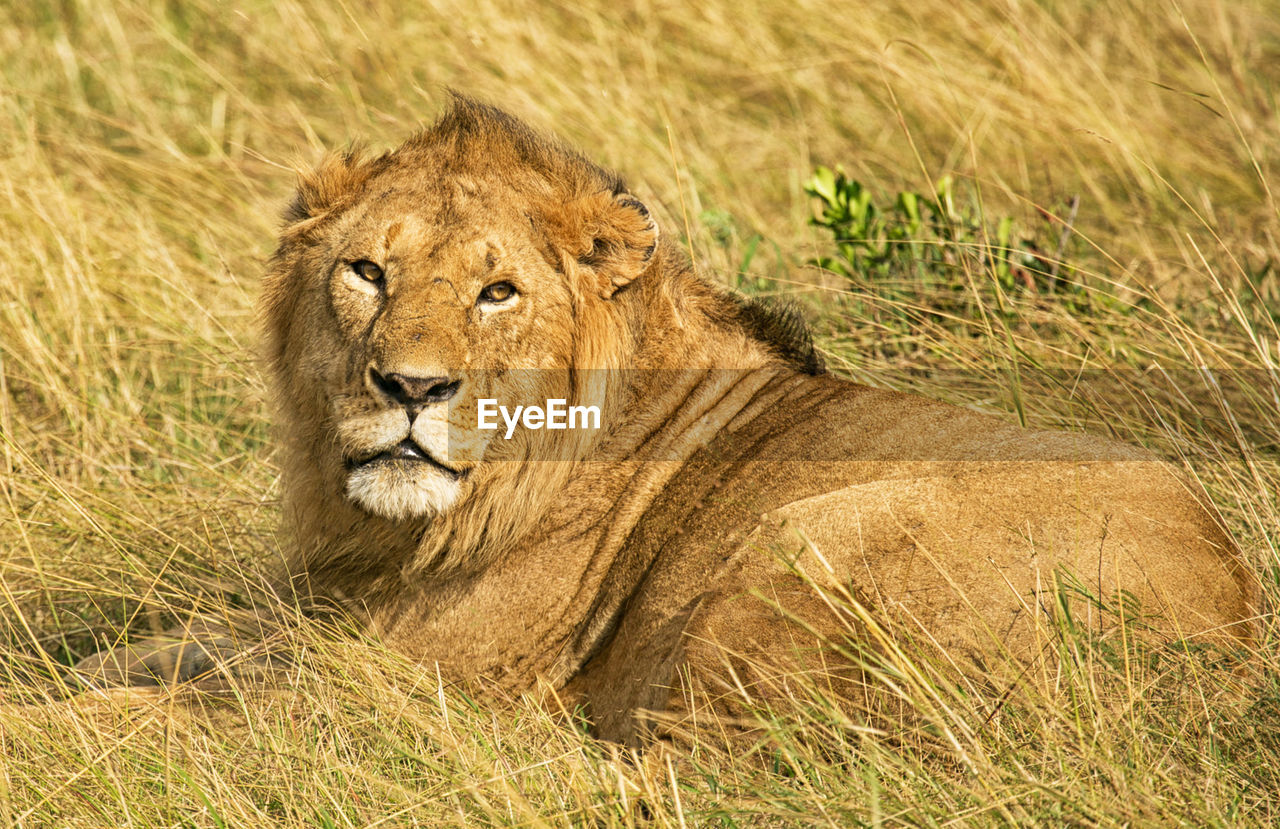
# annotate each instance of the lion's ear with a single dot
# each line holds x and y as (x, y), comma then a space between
(611, 238)
(334, 179)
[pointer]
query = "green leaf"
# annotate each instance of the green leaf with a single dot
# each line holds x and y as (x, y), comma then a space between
(823, 185)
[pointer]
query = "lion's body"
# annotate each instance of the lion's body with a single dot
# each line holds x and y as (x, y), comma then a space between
(730, 484)
(953, 529)
(953, 524)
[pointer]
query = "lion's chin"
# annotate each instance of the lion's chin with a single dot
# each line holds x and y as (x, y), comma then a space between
(402, 490)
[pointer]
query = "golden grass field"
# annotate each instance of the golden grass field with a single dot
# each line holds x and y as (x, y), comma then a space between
(149, 146)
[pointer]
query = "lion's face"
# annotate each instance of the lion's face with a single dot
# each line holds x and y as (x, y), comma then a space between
(436, 303)
(424, 294)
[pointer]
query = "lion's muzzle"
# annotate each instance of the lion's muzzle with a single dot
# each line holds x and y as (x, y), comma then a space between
(395, 445)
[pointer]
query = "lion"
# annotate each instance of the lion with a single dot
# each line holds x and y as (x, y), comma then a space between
(731, 479)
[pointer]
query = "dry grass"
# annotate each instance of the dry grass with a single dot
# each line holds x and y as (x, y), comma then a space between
(147, 151)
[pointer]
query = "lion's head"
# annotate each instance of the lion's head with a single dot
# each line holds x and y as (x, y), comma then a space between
(478, 261)
(468, 264)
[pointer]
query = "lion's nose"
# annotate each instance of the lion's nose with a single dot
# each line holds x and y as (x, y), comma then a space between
(412, 392)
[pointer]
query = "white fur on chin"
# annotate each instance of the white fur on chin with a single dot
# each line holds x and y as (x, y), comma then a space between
(394, 492)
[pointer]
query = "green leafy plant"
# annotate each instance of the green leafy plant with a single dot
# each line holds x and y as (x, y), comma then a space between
(937, 241)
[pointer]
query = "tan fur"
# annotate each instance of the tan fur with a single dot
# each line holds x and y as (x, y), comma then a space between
(610, 563)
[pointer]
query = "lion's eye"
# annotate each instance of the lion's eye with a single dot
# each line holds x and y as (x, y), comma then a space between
(498, 292)
(367, 270)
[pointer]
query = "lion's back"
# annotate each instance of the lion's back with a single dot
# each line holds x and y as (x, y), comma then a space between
(952, 528)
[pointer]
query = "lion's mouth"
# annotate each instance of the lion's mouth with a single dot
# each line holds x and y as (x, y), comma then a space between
(405, 452)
